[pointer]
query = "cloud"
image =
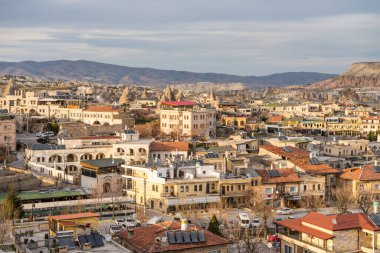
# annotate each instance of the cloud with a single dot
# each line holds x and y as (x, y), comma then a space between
(201, 41)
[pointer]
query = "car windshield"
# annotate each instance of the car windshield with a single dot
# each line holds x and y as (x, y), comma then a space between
(245, 221)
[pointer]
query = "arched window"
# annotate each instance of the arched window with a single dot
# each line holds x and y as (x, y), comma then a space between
(200, 187)
(187, 188)
(195, 188)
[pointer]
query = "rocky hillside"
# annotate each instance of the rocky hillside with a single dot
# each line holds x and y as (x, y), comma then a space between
(109, 73)
(362, 74)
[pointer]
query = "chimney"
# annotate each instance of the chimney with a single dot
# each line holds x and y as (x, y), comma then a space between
(375, 207)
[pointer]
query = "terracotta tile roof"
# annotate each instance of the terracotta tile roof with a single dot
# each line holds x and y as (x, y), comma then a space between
(74, 216)
(343, 222)
(169, 146)
(296, 224)
(177, 103)
(101, 108)
(275, 119)
(365, 173)
(371, 118)
(144, 238)
(300, 158)
(287, 176)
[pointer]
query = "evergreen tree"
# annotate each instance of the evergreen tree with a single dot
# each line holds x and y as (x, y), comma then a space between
(213, 226)
(12, 204)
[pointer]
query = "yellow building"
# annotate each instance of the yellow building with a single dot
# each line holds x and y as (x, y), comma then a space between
(73, 222)
(234, 121)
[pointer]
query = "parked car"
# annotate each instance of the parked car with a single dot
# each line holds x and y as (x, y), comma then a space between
(38, 134)
(291, 217)
(128, 222)
(155, 220)
(114, 229)
(50, 133)
(274, 238)
(255, 223)
(243, 220)
(285, 210)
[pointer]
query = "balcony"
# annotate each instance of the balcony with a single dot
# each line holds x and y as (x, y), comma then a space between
(296, 238)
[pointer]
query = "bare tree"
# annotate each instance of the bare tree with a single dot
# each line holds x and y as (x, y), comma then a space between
(116, 196)
(364, 202)
(97, 196)
(5, 226)
(261, 207)
(243, 240)
(344, 199)
(312, 202)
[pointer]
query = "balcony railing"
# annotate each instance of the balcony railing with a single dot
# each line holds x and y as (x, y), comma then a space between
(296, 238)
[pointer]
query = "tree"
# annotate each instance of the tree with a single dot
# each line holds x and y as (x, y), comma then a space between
(12, 205)
(312, 202)
(372, 136)
(213, 225)
(97, 196)
(344, 199)
(364, 202)
(262, 208)
(5, 225)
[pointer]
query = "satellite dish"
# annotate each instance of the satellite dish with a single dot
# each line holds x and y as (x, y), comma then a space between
(334, 221)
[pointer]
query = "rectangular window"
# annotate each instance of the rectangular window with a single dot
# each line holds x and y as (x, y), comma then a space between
(288, 249)
(268, 190)
(293, 188)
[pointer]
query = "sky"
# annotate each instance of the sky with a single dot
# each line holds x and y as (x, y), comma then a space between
(233, 37)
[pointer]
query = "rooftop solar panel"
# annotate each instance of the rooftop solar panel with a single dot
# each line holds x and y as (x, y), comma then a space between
(186, 237)
(171, 237)
(82, 240)
(288, 149)
(178, 237)
(274, 173)
(194, 237)
(91, 240)
(66, 241)
(98, 240)
(375, 218)
(201, 236)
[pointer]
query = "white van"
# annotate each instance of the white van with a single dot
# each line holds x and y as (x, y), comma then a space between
(243, 220)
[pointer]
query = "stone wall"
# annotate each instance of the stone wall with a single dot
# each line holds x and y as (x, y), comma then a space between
(346, 240)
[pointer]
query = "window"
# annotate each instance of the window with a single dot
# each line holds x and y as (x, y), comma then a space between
(200, 187)
(166, 189)
(293, 188)
(204, 172)
(187, 188)
(377, 186)
(195, 188)
(268, 190)
(319, 187)
(305, 187)
(288, 249)
(182, 188)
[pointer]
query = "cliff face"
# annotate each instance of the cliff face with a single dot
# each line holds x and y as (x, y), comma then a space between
(362, 74)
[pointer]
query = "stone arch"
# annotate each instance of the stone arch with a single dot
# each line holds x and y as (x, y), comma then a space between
(32, 112)
(72, 169)
(241, 123)
(55, 158)
(131, 152)
(106, 124)
(106, 187)
(86, 156)
(100, 156)
(142, 151)
(96, 123)
(71, 158)
(120, 151)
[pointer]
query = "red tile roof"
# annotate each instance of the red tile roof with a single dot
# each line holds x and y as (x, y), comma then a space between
(287, 176)
(300, 158)
(275, 119)
(177, 103)
(144, 238)
(296, 224)
(365, 173)
(342, 222)
(101, 108)
(74, 216)
(169, 146)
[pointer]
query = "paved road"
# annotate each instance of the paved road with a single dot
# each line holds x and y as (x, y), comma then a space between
(27, 139)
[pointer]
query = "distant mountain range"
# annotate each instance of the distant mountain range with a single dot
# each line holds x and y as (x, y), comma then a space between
(109, 73)
(359, 75)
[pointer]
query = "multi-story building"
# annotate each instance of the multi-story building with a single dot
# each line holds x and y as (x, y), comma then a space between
(187, 119)
(364, 180)
(281, 186)
(316, 232)
(180, 185)
(7, 133)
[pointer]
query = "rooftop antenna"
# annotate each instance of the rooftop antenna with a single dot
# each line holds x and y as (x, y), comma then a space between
(334, 221)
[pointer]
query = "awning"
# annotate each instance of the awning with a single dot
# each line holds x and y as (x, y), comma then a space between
(193, 200)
